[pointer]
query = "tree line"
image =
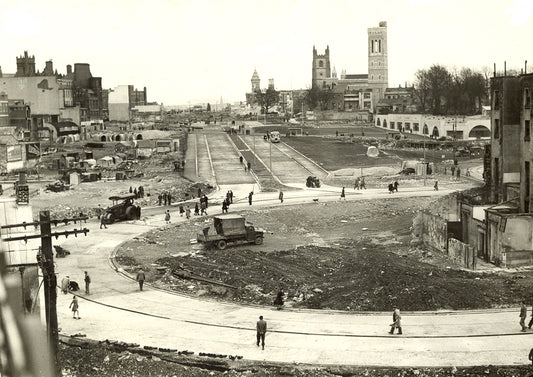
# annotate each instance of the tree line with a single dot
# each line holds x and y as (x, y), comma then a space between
(440, 91)
(437, 91)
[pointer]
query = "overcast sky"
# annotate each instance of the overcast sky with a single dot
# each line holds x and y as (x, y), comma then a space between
(203, 49)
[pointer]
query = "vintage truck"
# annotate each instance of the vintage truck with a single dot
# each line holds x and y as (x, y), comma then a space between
(230, 229)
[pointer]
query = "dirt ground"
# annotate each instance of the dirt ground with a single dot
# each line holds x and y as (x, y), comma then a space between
(345, 256)
(82, 358)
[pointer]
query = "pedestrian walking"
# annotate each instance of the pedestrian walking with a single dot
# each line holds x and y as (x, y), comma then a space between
(135, 193)
(396, 186)
(452, 169)
(203, 209)
(228, 200)
(250, 196)
(131, 190)
(188, 212)
(167, 216)
(343, 194)
(206, 200)
(99, 211)
(279, 299)
(75, 308)
(396, 322)
(531, 320)
(241, 159)
(140, 278)
(436, 186)
(224, 207)
(182, 210)
(87, 282)
(196, 209)
(458, 172)
(160, 198)
(356, 184)
(103, 221)
(523, 315)
(65, 284)
(280, 196)
(261, 331)
(231, 196)
(362, 184)
(249, 166)
(391, 188)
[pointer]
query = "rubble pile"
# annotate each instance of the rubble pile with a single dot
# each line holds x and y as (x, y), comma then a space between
(88, 358)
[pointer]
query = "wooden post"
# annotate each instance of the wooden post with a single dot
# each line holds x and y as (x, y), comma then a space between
(50, 288)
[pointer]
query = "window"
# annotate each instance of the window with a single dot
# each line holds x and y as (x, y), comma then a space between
(379, 45)
(392, 125)
(416, 128)
(527, 98)
(527, 183)
(321, 63)
(527, 130)
(496, 128)
(496, 99)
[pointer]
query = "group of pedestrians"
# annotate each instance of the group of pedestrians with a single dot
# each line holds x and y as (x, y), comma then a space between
(456, 172)
(138, 192)
(359, 183)
(227, 201)
(165, 198)
(67, 285)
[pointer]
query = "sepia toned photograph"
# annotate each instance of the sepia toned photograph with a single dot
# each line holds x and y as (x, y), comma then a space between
(243, 188)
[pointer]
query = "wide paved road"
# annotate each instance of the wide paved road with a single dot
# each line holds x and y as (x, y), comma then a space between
(217, 159)
(159, 318)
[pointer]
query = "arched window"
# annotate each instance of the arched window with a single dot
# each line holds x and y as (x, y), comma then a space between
(384, 122)
(435, 132)
(321, 63)
(378, 122)
(425, 131)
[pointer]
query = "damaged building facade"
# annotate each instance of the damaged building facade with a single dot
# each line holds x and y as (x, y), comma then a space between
(500, 230)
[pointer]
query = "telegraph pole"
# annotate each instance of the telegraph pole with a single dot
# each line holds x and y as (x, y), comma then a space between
(50, 284)
(45, 260)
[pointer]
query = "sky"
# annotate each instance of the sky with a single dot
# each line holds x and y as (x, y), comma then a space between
(201, 50)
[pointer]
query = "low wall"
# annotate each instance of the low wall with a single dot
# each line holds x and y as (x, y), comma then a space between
(516, 258)
(462, 253)
(431, 230)
(343, 115)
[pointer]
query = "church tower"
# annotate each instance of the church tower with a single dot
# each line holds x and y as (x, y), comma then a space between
(321, 68)
(378, 70)
(256, 82)
(25, 65)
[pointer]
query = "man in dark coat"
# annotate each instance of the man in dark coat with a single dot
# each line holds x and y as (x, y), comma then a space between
(250, 196)
(261, 331)
(140, 278)
(523, 315)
